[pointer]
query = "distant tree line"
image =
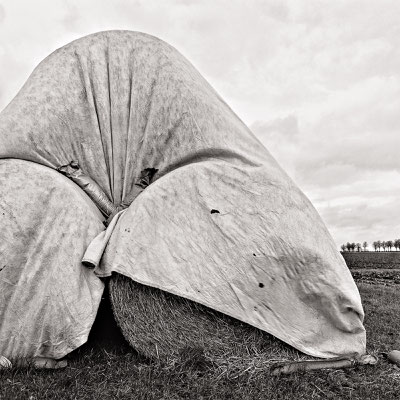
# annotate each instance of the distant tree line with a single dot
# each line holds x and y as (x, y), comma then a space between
(386, 245)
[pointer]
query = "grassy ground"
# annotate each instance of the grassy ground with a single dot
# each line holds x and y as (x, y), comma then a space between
(101, 369)
(372, 259)
(386, 277)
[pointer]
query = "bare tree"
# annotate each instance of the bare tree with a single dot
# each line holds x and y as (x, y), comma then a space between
(396, 244)
(383, 243)
(375, 245)
(358, 247)
(365, 245)
(348, 246)
(379, 244)
(353, 246)
(389, 244)
(343, 247)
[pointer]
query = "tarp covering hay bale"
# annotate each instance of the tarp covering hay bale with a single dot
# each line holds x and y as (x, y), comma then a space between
(218, 222)
(166, 327)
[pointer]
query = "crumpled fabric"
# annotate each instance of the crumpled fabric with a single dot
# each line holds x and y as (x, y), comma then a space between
(221, 223)
(90, 187)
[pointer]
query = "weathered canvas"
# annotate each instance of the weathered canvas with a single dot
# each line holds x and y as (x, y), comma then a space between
(219, 223)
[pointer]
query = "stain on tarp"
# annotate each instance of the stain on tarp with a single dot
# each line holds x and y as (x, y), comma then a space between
(214, 211)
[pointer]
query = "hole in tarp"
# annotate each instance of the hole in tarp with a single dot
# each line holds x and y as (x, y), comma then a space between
(146, 177)
(214, 211)
(261, 285)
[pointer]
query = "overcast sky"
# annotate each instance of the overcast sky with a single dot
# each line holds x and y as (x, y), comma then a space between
(317, 81)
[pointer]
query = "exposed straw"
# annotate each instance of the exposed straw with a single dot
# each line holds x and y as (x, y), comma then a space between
(172, 329)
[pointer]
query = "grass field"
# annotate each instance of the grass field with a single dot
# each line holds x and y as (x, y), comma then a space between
(372, 259)
(102, 369)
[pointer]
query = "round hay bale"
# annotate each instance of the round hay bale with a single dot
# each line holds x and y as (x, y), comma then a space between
(164, 326)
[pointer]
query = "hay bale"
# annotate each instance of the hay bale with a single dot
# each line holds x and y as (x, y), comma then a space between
(163, 326)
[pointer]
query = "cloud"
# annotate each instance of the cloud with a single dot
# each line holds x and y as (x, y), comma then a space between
(362, 221)
(2, 14)
(359, 208)
(317, 81)
(71, 18)
(285, 127)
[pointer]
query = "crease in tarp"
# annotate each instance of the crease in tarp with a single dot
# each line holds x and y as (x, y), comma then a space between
(95, 250)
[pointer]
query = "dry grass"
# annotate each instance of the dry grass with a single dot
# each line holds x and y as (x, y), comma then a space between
(108, 368)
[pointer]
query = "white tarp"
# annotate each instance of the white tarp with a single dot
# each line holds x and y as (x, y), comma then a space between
(48, 301)
(220, 224)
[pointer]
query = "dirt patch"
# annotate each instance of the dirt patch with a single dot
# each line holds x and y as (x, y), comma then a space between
(386, 277)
